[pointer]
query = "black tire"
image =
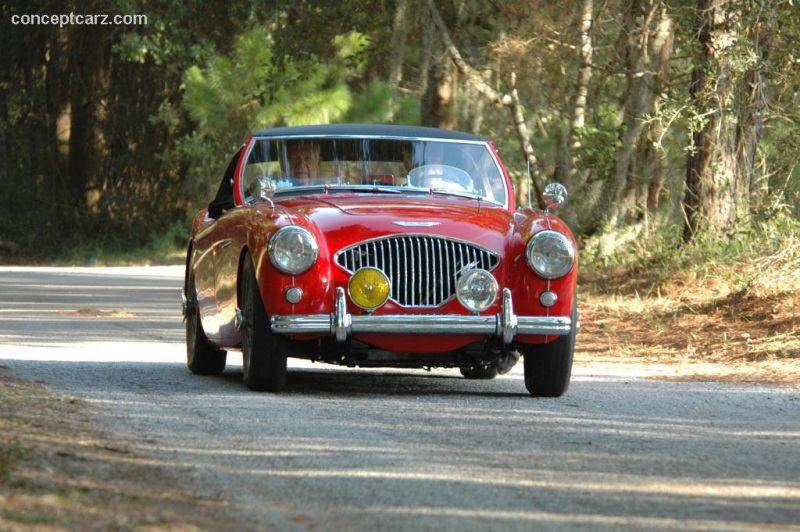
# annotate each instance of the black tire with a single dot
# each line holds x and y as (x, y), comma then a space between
(202, 358)
(548, 367)
(263, 352)
(484, 373)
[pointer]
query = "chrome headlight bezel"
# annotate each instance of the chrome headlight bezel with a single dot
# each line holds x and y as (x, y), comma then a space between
(293, 250)
(550, 254)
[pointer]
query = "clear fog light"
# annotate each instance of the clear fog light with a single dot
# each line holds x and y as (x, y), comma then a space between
(477, 290)
(369, 288)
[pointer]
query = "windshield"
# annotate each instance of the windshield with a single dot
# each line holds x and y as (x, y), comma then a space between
(275, 166)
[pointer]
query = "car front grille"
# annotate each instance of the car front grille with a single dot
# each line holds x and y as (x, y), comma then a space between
(423, 270)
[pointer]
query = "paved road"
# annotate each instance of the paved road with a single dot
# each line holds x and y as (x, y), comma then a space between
(404, 450)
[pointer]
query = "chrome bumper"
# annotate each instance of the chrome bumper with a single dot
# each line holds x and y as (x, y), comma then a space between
(342, 324)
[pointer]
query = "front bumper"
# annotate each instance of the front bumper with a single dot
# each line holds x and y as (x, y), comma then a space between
(341, 324)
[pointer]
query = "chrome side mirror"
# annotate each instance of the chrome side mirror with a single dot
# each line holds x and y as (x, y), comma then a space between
(554, 195)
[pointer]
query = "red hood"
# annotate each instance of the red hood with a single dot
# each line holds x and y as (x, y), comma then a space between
(346, 218)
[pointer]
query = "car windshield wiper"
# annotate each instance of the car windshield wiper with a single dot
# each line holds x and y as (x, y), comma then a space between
(332, 188)
(464, 194)
(364, 188)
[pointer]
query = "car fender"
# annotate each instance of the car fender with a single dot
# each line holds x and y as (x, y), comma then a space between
(531, 222)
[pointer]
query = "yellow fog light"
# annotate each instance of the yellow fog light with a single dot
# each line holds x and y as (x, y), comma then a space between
(369, 288)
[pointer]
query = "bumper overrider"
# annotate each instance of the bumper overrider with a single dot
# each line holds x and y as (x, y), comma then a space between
(341, 324)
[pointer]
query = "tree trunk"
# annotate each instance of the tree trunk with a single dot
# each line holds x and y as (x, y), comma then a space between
(581, 93)
(714, 197)
(638, 172)
(653, 156)
(750, 124)
(87, 65)
(399, 31)
(439, 102)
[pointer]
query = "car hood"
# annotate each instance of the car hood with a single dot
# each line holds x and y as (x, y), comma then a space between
(349, 218)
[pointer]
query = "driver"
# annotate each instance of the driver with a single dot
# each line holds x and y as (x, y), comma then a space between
(303, 157)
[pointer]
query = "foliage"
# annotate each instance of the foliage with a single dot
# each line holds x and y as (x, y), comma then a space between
(115, 162)
(600, 141)
(762, 257)
(374, 104)
(161, 247)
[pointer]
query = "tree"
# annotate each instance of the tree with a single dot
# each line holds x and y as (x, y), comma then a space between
(631, 191)
(113, 136)
(584, 77)
(728, 97)
(399, 36)
(89, 119)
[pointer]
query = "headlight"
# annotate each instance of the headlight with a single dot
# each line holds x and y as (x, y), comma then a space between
(293, 250)
(477, 290)
(550, 254)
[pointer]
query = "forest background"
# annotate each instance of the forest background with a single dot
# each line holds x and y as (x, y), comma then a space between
(672, 123)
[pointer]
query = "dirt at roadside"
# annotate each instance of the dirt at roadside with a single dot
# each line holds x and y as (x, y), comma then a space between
(690, 330)
(60, 471)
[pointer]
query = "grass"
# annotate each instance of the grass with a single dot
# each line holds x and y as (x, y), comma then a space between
(167, 248)
(12, 452)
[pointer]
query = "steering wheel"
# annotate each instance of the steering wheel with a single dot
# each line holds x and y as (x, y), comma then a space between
(440, 177)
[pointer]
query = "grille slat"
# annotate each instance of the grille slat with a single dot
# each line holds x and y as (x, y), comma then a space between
(422, 270)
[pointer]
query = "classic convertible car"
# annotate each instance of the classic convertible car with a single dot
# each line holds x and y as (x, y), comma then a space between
(379, 246)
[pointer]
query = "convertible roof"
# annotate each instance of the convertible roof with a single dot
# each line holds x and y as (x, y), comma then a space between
(368, 130)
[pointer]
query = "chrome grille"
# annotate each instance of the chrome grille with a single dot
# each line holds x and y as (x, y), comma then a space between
(422, 270)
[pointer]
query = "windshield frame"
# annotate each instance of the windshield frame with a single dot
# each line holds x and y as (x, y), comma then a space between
(346, 167)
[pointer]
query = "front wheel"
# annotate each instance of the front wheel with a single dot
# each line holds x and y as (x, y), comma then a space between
(548, 367)
(263, 352)
(201, 357)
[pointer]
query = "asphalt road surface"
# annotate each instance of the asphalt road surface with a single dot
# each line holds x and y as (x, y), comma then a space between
(360, 449)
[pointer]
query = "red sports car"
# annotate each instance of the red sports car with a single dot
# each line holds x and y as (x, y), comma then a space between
(378, 245)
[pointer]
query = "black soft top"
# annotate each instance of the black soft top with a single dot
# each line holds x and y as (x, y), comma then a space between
(369, 130)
